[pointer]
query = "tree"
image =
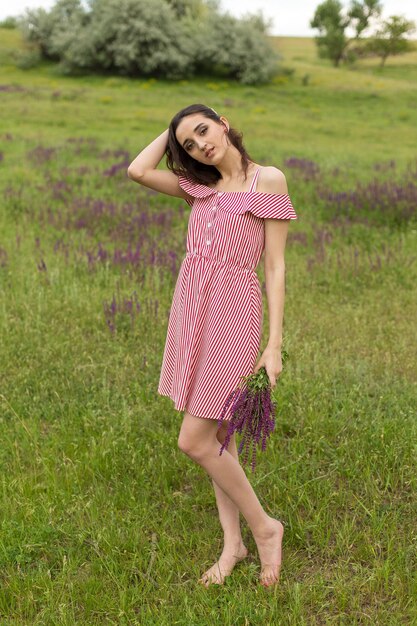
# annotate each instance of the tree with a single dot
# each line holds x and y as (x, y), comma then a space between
(361, 14)
(389, 39)
(331, 23)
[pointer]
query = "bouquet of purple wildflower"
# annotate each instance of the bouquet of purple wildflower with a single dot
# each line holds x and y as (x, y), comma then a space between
(252, 412)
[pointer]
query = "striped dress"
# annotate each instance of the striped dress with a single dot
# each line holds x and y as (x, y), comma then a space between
(215, 322)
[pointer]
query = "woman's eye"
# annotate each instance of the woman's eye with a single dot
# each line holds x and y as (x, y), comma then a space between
(190, 145)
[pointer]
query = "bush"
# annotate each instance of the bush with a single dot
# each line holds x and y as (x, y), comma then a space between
(234, 48)
(43, 28)
(9, 22)
(162, 38)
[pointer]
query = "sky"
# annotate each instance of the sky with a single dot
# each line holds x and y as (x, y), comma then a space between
(289, 18)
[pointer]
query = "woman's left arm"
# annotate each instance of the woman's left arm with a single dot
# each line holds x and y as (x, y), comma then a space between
(275, 240)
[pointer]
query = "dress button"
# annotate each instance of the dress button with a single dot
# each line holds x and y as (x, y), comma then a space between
(209, 224)
(208, 242)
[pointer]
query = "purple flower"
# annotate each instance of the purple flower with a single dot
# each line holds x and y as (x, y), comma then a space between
(252, 412)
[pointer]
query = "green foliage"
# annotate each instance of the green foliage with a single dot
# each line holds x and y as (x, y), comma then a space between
(389, 39)
(9, 22)
(236, 48)
(361, 14)
(331, 24)
(130, 37)
(334, 44)
(189, 8)
(171, 38)
(47, 29)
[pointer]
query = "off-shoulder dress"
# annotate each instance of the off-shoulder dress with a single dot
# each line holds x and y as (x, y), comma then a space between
(215, 321)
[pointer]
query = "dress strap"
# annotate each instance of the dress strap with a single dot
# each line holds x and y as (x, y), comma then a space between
(255, 180)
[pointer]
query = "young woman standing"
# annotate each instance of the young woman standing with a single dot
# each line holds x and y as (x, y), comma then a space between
(239, 210)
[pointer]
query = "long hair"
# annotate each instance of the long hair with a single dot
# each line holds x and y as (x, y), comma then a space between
(180, 162)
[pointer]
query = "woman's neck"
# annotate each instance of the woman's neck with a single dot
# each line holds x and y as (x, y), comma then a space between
(236, 180)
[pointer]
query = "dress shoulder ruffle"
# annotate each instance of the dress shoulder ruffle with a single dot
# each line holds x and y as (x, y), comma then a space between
(270, 205)
(263, 205)
(196, 190)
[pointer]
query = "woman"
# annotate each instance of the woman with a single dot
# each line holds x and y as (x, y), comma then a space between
(239, 209)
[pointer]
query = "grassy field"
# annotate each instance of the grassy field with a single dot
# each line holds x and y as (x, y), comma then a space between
(104, 520)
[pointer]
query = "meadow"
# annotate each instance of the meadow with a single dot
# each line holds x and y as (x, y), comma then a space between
(103, 519)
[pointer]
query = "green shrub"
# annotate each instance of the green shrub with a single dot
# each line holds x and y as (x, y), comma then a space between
(152, 38)
(9, 22)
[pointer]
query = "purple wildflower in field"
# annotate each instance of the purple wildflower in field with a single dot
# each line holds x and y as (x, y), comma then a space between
(11, 88)
(120, 307)
(300, 238)
(383, 202)
(114, 153)
(59, 245)
(40, 154)
(308, 169)
(383, 167)
(89, 140)
(252, 413)
(1, 156)
(60, 189)
(111, 171)
(88, 145)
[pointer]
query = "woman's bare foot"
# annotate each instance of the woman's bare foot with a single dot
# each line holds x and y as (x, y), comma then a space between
(223, 567)
(270, 552)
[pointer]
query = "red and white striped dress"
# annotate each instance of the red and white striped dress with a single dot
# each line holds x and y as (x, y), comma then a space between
(215, 322)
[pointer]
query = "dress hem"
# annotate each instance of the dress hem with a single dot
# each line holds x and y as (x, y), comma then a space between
(178, 407)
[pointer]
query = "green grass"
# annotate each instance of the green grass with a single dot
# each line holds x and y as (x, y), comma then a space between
(104, 520)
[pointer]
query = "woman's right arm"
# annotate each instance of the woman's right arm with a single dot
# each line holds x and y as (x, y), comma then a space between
(143, 169)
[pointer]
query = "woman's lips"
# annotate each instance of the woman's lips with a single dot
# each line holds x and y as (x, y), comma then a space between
(209, 153)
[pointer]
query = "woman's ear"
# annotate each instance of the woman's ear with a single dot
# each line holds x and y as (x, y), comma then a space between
(225, 123)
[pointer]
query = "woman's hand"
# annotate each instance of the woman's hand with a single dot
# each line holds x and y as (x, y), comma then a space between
(272, 361)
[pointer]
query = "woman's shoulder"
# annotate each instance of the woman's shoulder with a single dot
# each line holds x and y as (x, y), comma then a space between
(272, 180)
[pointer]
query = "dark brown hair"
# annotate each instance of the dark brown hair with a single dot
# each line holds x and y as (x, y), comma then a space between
(180, 162)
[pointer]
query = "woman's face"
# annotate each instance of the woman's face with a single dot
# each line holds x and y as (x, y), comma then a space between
(202, 138)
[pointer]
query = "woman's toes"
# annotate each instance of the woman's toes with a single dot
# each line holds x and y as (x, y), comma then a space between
(212, 576)
(212, 581)
(269, 579)
(223, 567)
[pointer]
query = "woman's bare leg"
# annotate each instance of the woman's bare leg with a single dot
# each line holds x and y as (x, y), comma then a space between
(198, 440)
(234, 549)
(228, 511)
